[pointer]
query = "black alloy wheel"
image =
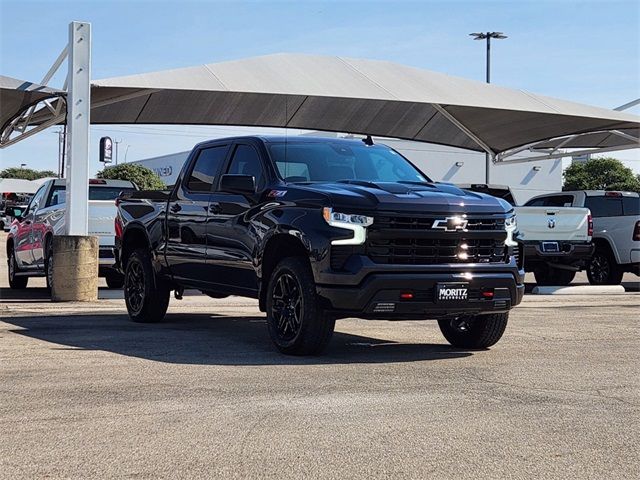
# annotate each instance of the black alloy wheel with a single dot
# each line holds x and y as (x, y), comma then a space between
(146, 296)
(297, 322)
(602, 270)
(287, 306)
(135, 287)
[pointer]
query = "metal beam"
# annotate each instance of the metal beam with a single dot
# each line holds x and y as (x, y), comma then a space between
(464, 129)
(78, 121)
(627, 106)
(590, 151)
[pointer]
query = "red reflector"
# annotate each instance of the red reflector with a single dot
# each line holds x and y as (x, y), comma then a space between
(487, 294)
(406, 296)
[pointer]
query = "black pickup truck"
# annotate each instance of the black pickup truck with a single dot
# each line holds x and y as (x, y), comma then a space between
(319, 229)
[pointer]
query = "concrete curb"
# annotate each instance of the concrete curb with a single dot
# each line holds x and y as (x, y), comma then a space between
(580, 290)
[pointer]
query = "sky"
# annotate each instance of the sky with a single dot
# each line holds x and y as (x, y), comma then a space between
(584, 51)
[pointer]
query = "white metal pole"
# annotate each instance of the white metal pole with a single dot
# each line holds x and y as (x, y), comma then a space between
(78, 121)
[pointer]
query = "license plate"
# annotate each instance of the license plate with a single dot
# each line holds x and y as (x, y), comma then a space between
(452, 292)
(550, 247)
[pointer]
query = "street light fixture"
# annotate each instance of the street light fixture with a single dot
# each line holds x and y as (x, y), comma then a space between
(488, 36)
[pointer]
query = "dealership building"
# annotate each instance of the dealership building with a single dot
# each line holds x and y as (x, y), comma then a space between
(440, 163)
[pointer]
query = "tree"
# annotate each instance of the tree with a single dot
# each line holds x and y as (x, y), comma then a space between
(603, 173)
(143, 177)
(26, 173)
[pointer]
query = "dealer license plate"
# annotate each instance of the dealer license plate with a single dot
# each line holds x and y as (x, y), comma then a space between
(452, 292)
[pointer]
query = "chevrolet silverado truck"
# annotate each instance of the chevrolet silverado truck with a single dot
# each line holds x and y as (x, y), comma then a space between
(319, 229)
(556, 235)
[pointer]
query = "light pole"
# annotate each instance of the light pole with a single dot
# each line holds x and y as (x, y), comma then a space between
(488, 36)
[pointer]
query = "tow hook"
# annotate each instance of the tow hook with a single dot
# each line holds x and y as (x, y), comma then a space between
(177, 293)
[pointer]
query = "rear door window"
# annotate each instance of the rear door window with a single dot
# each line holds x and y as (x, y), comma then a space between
(552, 201)
(631, 205)
(206, 168)
(604, 206)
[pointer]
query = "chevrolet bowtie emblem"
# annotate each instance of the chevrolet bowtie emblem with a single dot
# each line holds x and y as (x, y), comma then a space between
(451, 224)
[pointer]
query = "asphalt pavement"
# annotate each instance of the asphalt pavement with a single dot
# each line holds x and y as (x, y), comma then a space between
(84, 393)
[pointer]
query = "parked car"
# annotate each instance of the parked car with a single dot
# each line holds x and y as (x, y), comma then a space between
(29, 246)
(556, 235)
(318, 229)
(616, 231)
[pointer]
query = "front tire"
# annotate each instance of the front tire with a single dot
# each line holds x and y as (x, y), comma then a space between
(476, 331)
(15, 282)
(146, 297)
(548, 276)
(297, 324)
(603, 269)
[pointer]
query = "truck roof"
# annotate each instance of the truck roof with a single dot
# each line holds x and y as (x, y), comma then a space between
(291, 139)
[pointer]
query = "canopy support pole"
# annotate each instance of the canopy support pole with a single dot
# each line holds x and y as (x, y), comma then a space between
(78, 121)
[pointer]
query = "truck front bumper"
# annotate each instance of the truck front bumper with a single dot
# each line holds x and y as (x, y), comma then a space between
(414, 296)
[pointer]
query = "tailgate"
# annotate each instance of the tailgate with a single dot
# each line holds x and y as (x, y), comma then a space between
(101, 216)
(553, 223)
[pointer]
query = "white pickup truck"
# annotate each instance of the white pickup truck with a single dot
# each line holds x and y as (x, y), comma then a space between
(616, 219)
(29, 246)
(557, 236)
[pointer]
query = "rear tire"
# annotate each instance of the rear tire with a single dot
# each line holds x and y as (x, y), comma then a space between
(548, 276)
(48, 264)
(15, 282)
(603, 269)
(297, 323)
(114, 280)
(474, 332)
(146, 296)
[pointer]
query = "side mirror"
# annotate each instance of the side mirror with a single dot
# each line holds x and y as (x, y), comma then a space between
(16, 212)
(242, 184)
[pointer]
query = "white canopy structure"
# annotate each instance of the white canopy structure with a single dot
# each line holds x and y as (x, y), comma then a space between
(358, 96)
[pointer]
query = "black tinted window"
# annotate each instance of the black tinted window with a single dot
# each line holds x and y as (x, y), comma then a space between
(206, 168)
(538, 202)
(604, 206)
(246, 161)
(631, 205)
(554, 201)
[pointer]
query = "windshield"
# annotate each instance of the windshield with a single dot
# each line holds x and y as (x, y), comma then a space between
(334, 161)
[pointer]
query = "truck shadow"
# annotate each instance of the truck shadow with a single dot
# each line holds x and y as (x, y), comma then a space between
(210, 340)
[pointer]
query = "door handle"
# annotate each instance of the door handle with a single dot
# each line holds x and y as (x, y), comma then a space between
(214, 208)
(175, 208)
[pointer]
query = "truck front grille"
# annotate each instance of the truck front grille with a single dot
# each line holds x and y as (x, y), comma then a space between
(411, 240)
(419, 251)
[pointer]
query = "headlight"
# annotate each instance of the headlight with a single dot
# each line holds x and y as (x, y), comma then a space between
(356, 223)
(511, 225)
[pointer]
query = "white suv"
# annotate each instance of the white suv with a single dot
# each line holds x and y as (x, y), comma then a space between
(616, 232)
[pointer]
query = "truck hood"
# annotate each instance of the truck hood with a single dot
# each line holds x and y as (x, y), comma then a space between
(361, 197)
